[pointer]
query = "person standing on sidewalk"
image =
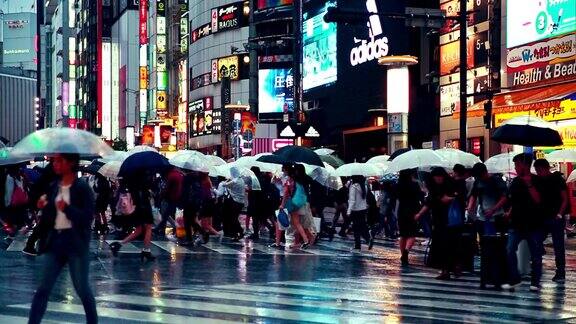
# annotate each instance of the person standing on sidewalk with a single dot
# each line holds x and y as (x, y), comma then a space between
(526, 222)
(67, 215)
(554, 206)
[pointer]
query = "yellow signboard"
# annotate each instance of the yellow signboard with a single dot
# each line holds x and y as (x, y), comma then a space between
(228, 67)
(161, 103)
(566, 109)
(143, 77)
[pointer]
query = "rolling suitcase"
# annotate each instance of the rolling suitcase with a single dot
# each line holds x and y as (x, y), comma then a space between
(493, 263)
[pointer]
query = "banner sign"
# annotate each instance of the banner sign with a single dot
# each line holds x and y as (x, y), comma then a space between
(553, 110)
(450, 56)
(227, 17)
(542, 62)
(143, 31)
(228, 67)
(161, 104)
(200, 81)
(200, 32)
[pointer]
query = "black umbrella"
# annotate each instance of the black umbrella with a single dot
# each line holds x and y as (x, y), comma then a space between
(151, 162)
(332, 160)
(398, 152)
(93, 167)
(293, 154)
(527, 131)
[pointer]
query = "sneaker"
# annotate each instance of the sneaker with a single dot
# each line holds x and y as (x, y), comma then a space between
(425, 242)
(30, 251)
(559, 278)
(535, 288)
(304, 246)
(511, 286)
(275, 246)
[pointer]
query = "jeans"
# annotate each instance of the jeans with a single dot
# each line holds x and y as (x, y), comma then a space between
(168, 212)
(360, 227)
(55, 259)
(555, 227)
(534, 239)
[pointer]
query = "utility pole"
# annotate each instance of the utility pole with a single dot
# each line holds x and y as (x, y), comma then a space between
(463, 18)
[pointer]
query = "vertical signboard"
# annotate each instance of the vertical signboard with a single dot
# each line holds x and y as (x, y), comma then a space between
(143, 31)
(183, 30)
(161, 74)
(106, 90)
(115, 90)
(182, 95)
(143, 75)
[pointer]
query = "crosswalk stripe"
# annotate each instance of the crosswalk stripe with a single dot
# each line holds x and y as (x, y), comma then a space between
(23, 320)
(173, 248)
(400, 301)
(417, 283)
(17, 246)
(258, 311)
(265, 249)
(222, 249)
(117, 313)
(335, 305)
(401, 289)
(128, 248)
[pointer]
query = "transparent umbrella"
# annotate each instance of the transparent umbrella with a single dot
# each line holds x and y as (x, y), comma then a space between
(249, 177)
(141, 148)
(325, 176)
(214, 160)
(62, 140)
(454, 156)
(324, 151)
(192, 163)
(413, 159)
(111, 169)
(7, 158)
(572, 177)
(251, 161)
(359, 169)
(562, 156)
(379, 159)
(501, 163)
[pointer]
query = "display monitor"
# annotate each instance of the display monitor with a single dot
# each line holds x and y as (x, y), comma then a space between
(531, 21)
(275, 91)
(263, 4)
(318, 48)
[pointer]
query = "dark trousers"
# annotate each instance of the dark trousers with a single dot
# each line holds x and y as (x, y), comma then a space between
(341, 210)
(534, 239)
(190, 213)
(58, 255)
(168, 212)
(555, 227)
(447, 248)
(231, 223)
(388, 223)
(360, 227)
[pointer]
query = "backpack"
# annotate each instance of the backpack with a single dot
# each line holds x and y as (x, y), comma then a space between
(125, 205)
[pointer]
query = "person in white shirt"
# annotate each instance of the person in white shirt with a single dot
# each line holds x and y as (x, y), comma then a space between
(358, 210)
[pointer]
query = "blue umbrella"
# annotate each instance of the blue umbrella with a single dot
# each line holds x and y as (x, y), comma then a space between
(141, 162)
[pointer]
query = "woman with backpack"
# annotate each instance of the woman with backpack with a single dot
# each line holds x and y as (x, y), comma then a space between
(134, 203)
(358, 211)
(67, 215)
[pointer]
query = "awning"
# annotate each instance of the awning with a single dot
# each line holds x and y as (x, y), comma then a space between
(533, 99)
(542, 100)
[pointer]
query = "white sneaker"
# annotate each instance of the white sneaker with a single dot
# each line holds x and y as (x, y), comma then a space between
(534, 288)
(510, 287)
(425, 242)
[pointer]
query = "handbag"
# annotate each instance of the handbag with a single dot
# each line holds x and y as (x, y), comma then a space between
(19, 196)
(455, 214)
(298, 200)
(283, 219)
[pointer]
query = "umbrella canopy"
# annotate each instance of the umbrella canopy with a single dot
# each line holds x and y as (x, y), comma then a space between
(293, 154)
(379, 159)
(333, 160)
(324, 151)
(8, 158)
(252, 161)
(93, 167)
(454, 156)
(141, 162)
(562, 156)
(359, 169)
(141, 148)
(62, 140)
(325, 176)
(572, 177)
(413, 159)
(110, 170)
(398, 152)
(249, 177)
(214, 160)
(188, 153)
(528, 131)
(192, 163)
(501, 163)
(115, 156)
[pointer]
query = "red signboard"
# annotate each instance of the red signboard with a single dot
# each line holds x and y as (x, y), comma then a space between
(143, 22)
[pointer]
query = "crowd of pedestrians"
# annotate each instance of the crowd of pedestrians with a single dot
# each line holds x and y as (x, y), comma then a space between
(453, 211)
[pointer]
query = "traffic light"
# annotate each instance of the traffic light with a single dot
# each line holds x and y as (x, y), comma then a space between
(488, 114)
(37, 113)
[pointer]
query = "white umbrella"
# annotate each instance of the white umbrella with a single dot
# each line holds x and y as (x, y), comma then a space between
(7, 158)
(379, 159)
(454, 156)
(413, 159)
(359, 169)
(501, 163)
(62, 140)
(572, 177)
(141, 148)
(116, 156)
(249, 177)
(562, 156)
(192, 163)
(214, 160)
(325, 176)
(110, 170)
(251, 161)
(188, 153)
(324, 151)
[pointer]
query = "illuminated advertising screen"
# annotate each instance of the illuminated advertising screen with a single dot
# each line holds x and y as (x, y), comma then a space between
(531, 21)
(263, 4)
(275, 91)
(319, 48)
(148, 135)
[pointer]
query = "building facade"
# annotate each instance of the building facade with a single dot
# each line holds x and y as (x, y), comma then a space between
(17, 111)
(18, 36)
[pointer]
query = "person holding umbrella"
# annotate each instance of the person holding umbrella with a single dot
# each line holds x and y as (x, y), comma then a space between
(358, 211)
(67, 215)
(236, 188)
